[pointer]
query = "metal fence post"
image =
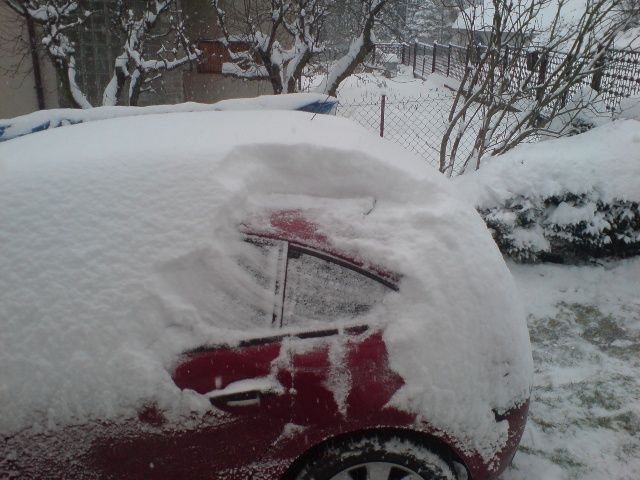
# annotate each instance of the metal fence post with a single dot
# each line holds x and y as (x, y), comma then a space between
(567, 74)
(415, 56)
(382, 104)
(505, 60)
(449, 60)
(433, 60)
(596, 80)
(542, 76)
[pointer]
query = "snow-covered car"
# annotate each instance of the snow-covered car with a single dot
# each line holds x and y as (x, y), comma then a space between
(233, 295)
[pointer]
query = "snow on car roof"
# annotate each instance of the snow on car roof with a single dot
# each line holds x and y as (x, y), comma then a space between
(59, 117)
(102, 220)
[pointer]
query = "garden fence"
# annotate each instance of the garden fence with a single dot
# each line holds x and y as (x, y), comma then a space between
(617, 76)
(418, 124)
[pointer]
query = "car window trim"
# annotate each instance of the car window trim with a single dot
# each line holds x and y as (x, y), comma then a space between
(251, 342)
(293, 247)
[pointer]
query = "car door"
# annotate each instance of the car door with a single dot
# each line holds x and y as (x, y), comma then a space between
(248, 388)
(339, 361)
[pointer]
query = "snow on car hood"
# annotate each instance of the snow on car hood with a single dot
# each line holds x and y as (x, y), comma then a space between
(95, 215)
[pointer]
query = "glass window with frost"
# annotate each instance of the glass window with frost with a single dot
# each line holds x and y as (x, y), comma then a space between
(318, 289)
(262, 265)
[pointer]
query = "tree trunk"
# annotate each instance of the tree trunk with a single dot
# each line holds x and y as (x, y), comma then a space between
(358, 51)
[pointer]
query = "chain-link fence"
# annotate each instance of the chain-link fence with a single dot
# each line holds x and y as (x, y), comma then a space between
(617, 74)
(418, 124)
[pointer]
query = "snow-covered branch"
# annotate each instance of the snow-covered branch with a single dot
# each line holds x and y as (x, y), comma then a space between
(60, 20)
(132, 64)
(359, 48)
(280, 38)
(55, 18)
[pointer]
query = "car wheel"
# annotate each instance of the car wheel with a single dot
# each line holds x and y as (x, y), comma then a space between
(373, 458)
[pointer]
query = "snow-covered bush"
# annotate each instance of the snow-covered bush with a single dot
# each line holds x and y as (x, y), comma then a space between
(566, 227)
(566, 199)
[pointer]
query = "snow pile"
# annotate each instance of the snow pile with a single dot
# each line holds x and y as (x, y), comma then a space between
(119, 255)
(47, 119)
(629, 108)
(564, 198)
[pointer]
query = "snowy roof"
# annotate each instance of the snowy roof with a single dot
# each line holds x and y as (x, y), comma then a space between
(102, 221)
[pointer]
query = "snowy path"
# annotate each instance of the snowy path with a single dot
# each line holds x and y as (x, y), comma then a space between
(585, 331)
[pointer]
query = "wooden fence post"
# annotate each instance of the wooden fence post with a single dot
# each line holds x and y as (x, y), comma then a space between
(415, 56)
(449, 60)
(424, 59)
(433, 61)
(382, 105)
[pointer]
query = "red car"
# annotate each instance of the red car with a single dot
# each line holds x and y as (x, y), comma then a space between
(313, 399)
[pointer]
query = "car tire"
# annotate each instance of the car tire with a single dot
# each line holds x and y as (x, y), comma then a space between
(375, 458)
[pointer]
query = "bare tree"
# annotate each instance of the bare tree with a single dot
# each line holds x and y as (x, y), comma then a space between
(281, 37)
(510, 93)
(276, 39)
(361, 45)
(18, 42)
(59, 21)
(56, 19)
(134, 64)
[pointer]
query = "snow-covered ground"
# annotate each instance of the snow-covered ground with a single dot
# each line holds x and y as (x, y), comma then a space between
(584, 323)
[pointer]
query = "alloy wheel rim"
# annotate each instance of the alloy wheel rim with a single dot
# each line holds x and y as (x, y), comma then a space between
(377, 471)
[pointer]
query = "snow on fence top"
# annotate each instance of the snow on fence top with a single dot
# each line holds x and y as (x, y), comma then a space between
(47, 119)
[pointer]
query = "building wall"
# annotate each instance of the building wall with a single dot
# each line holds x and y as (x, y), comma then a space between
(207, 87)
(17, 89)
(210, 88)
(96, 51)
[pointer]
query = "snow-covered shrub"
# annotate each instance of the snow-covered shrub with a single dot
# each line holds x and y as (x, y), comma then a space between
(566, 199)
(565, 227)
